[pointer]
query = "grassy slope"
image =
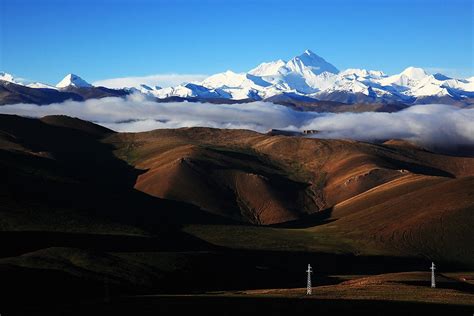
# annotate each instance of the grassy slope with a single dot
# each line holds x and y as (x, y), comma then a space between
(406, 287)
(387, 220)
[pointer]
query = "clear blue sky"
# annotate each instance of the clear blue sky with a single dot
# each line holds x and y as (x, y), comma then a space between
(45, 39)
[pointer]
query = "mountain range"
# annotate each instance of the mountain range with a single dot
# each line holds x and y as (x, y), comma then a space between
(306, 82)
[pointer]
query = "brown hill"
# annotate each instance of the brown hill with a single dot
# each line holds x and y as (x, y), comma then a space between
(270, 179)
(169, 207)
(392, 198)
(430, 216)
(77, 124)
(58, 175)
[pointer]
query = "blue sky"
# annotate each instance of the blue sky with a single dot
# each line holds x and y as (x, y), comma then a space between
(45, 39)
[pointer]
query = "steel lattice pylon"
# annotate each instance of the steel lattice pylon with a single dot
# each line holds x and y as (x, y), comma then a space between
(433, 281)
(308, 284)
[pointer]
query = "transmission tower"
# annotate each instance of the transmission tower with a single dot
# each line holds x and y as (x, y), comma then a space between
(308, 284)
(433, 281)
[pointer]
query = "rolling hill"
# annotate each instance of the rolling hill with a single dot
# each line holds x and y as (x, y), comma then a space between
(167, 206)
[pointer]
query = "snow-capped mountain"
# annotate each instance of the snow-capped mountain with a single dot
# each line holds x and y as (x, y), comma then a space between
(72, 87)
(7, 77)
(143, 88)
(310, 75)
(309, 61)
(72, 80)
(304, 77)
(191, 90)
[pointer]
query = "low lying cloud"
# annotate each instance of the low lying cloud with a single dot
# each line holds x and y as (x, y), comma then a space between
(429, 125)
(162, 80)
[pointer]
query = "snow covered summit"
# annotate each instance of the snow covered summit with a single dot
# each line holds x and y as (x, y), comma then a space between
(312, 76)
(72, 80)
(7, 77)
(311, 61)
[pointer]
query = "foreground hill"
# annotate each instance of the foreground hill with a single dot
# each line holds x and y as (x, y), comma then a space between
(203, 165)
(388, 198)
(169, 206)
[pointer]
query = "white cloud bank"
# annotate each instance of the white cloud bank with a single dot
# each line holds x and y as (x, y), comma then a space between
(428, 125)
(162, 80)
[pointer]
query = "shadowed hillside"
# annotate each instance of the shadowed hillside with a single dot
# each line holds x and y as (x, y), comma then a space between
(96, 213)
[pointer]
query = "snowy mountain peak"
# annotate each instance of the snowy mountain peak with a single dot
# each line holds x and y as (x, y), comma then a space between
(230, 73)
(414, 73)
(228, 79)
(363, 73)
(268, 69)
(409, 77)
(72, 80)
(23, 82)
(311, 61)
(7, 77)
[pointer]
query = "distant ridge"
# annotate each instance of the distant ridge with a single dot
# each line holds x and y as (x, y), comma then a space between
(306, 76)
